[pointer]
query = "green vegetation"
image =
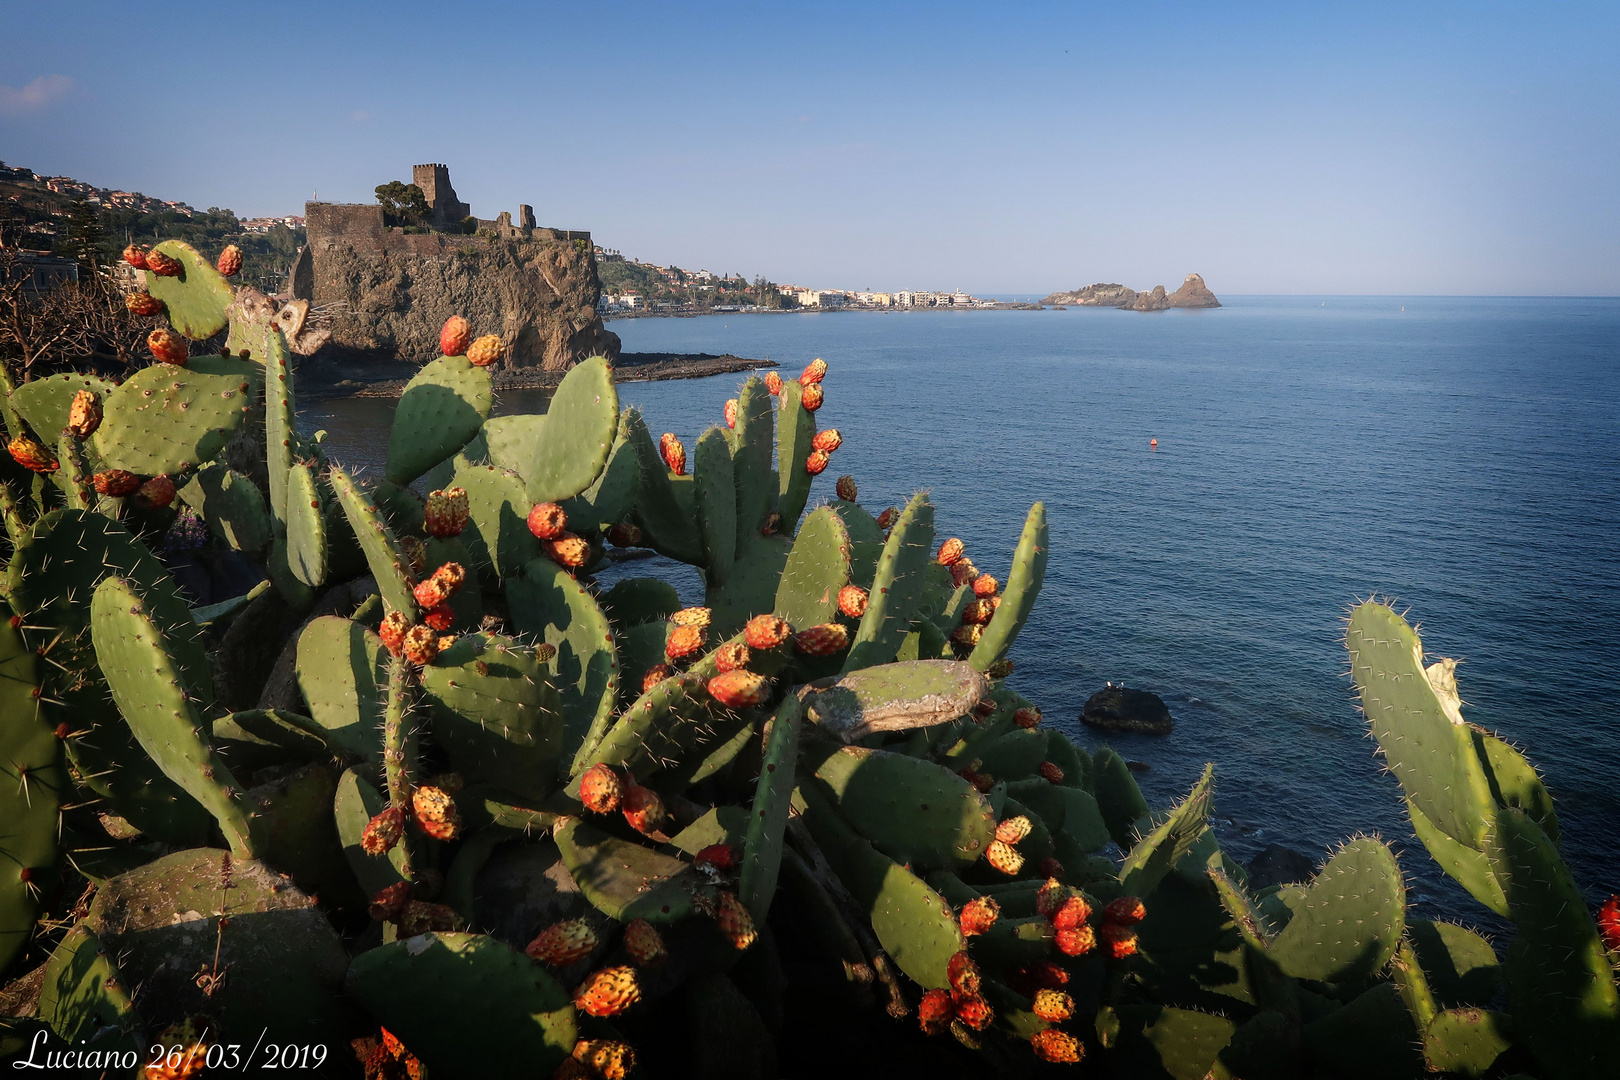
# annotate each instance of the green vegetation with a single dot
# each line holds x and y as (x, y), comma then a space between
(403, 204)
(679, 288)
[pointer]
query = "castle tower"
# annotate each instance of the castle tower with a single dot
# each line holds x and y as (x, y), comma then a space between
(444, 209)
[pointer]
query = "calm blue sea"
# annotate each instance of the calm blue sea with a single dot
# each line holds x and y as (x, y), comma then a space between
(1460, 454)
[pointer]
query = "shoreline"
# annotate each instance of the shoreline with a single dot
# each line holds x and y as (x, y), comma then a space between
(389, 382)
(695, 313)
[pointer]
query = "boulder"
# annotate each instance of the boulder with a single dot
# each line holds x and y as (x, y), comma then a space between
(1134, 712)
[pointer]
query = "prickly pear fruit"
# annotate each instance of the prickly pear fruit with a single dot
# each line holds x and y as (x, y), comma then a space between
(1051, 773)
(1003, 857)
(673, 452)
(738, 689)
(1014, 829)
(392, 631)
(84, 415)
(813, 372)
(731, 412)
(568, 550)
(934, 1011)
(1041, 975)
(161, 265)
(846, 488)
(1076, 942)
(415, 553)
(1049, 867)
(817, 462)
(444, 583)
(183, 1051)
(420, 645)
(828, 440)
(32, 455)
(440, 618)
(823, 640)
(1119, 939)
(115, 482)
(852, 601)
(978, 916)
(1000, 669)
(135, 256)
(600, 789)
(655, 675)
(735, 922)
(963, 974)
(1027, 718)
(168, 346)
(608, 992)
(1608, 922)
(383, 831)
(388, 903)
(979, 780)
(967, 635)
(435, 812)
(978, 613)
(722, 857)
(766, 632)
(1057, 1047)
(1072, 913)
(1126, 910)
(644, 944)
(773, 383)
(692, 616)
(684, 641)
(563, 943)
(143, 304)
(445, 513)
(230, 260)
(157, 492)
(973, 1010)
(1051, 896)
(886, 519)
(732, 656)
(950, 552)
(624, 535)
(607, 1058)
(963, 572)
(811, 398)
(486, 350)
(547, 521)
(643, 809)
(454, 336)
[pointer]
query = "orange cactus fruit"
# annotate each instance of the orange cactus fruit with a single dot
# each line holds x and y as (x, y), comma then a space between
(655, 675)
(1049, 867)
(440, 618)
(731, 412)
(977, 613)
(609, 1059)
(816, 463)
(732, 656)
(823, 640)
(963, 572)
(735, 922)
(739, 689)
(673, 452)
(950, 552)
(486, 350)
(624, 535)
(1119, 938)
(978, 916)
(445, 513)
(684, 641)
(811, 398)
(973, 1010)
(392, 631)
(986, 586)
(1004, 857)
(563, 943)
(934, 1011)
(644, 944)
(143, 304)
(168, 347)
(766, 632)
(1608, 922)
(32, 455)
(773, 383)
(135, 256)
(1072, 913)
(157, 492)
(1046, 975)
(1051, 896)
(722, 857)
(600, 789)
(829, 440)
(115, 482)
(1056, 1047)
(1051, 773)
(1076, 942)
(1014, 829)
(887, 518)
(692, 616)
(967, 635)
(568, 550)
(84, 414)
(389, 902)
(846, 488)
(230, 260)
(454, 336)
(440, 587)
(383, 831)
(1126, 910)
(813, 372)
(963, 974)
(1027, 718)
(547, 521)
(435, 812)
(852, 601)
(163, 266)
(643, 809)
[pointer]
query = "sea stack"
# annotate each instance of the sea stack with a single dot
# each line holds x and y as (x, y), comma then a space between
(1192, 294)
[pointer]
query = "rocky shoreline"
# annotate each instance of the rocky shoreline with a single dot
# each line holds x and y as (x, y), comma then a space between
(1192, 294)
(321, 379)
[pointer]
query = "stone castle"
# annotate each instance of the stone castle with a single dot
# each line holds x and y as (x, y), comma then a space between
(387, 290)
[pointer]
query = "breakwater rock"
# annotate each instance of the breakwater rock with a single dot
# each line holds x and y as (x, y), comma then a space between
(1134, 712)
(1192, 294)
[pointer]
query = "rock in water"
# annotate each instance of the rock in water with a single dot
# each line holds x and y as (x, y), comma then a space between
(1135, 712)
(1192, 294)
(1278, 865)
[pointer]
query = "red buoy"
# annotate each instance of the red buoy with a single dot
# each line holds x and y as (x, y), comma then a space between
(1153, 443)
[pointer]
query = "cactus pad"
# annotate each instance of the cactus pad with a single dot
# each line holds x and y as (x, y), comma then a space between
(571, 447)
(1348, 923)
(388, 564)
(32, 787)
(165, 419)
(547, 602)
(195, 301)
(441, 408)
(817, 567)
(306, 527)
(912, 810)
(897, 587)
(1018, 598)
(44, 403)
(895, 697)
(342, 670)
(622, 879)
(232, 507)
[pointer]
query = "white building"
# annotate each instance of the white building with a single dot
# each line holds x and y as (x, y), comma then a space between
(824, 298)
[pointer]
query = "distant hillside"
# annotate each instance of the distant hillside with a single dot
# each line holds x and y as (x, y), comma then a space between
(1192, 294)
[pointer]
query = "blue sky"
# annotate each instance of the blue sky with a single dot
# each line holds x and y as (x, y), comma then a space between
(1290, 148)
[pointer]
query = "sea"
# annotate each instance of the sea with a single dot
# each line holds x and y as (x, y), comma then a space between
(1457, 455)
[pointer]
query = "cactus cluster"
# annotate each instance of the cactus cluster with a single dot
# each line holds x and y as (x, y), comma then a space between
(426, 693)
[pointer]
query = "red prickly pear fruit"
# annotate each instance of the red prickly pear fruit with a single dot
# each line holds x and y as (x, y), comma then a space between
(600, 789)
(823, 640)
(440, 618)
(813, 372)
(934, 1011)
(624, 535)
(950, 552)
(1045, 975)
(115, 482)
(383, 831)
(143, 304)
(547, 521)
(420, 645)
(1073, 912)
(852, 601)
(886, 519)
(985, 586)
(846, 488)
(655, 675)
(444, 584)
(811, 398)
(1049, 867)
(454, 336)
(773, 383)
(816, 463)
(962, 973)
(732, 656)
(84, 415)
(973, 1010)
(967, 635)
(1120, 940)
(163, 266)
(392, 631)
(978, 916)
(731, 412)
(766, 632)
(739, 689)
(605, 1058)
(722, 857)
(1051, 773)
(674, 454)
(435, 812)
(32, 455)
(1003, 857)
(735, 922)
(1608, 922)
(168, 347)
(421, 918)
(387, 905)
(230, 260)
(135, 256)
(568, 550)
(684, 641)
(773, 524)
(608, 992)
(486, 350)
(156, 493)
(644, 944)
(1076, 942)
(1051, 896)
(1014, 829)
(829, 440)
(1057, 1047)
(999, 670)
(643, 809)
(963, 572)
(1027, 718)
(978, 613)
(1126, 910)
(693, 616)
(980, 781)
(563, 943)
(445, 513)
(415, 553)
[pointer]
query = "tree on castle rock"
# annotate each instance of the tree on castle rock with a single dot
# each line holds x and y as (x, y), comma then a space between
(403, 204)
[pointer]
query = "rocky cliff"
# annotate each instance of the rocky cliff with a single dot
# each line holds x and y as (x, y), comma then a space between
(1192, 294)
(383, 292)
